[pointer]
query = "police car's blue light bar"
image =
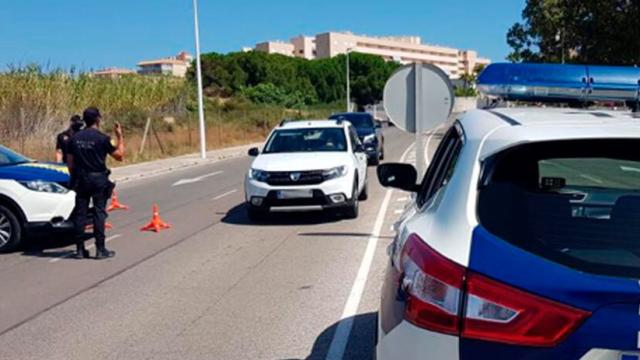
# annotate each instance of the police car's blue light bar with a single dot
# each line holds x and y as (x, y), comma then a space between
(555, 82)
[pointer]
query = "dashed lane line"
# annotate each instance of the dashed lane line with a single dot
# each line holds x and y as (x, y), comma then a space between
(224, 194)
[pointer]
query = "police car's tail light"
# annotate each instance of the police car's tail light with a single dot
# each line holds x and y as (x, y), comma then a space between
(445, 297)
(434, 285)
(498, 312)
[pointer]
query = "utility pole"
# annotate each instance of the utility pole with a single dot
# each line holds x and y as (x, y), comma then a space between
(348, 82)
(203, 140)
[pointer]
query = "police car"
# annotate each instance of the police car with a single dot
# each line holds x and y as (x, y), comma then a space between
(317, 164)
(34, 198)
(524, 238)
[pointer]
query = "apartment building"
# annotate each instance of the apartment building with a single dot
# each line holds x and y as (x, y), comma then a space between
(403, 49)
(171, 66)
(304, 47)
(276, 47)
(112, 72)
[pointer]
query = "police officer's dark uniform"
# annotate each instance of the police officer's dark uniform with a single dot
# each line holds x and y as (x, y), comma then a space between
(89, 149)
(62, 140)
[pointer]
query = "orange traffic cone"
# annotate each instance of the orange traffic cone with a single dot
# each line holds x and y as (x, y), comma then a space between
(156, 223)
(115, 204)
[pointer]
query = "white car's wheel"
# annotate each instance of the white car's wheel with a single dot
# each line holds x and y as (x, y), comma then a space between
(364, 194)
(10, 230)
(352, 209)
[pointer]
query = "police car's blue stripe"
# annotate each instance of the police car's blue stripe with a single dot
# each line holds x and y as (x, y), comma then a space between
(27, 173)
(499, 259)
(614, 302)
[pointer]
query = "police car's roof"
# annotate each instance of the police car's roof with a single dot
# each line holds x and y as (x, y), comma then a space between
(301, 124)
(504, 127)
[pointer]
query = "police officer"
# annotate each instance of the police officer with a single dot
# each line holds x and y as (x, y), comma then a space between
(88, 150)
(62, 140)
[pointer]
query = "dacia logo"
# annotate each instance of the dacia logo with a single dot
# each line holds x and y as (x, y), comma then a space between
(294, 176)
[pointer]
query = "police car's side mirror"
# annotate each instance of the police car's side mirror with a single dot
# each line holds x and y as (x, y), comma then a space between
(359, 148)
(254, 151)
(399, 176)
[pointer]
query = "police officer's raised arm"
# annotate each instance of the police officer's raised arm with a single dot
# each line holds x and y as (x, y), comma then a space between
(118, 151)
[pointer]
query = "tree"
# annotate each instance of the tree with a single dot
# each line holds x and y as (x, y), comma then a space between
(369, 73)
(293, 82)
(587, 31)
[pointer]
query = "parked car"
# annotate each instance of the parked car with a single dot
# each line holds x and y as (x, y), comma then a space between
(369, 132)
(34, 198)
(308, 165)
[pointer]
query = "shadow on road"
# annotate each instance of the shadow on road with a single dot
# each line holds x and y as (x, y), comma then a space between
(238, 216)
(44, 247)
(361, 344)
(341, 234)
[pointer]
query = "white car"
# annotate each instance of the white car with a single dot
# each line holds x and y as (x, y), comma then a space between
(524, 238)
(34, 199)
(317, 164)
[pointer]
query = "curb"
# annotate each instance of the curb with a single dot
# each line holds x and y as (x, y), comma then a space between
(158, 167)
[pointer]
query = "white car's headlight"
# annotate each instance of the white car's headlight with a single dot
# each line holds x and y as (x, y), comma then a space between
(335, 172)
(258, 175)
(369, 138)
(44, 186)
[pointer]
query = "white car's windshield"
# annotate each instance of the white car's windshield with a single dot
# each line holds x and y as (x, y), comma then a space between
(306, 140)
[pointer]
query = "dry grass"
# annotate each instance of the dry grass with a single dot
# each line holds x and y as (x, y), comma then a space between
(36, 105)
(177, 142)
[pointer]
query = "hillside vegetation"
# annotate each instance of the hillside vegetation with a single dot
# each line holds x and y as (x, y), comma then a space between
(294, 82)
(246, 95)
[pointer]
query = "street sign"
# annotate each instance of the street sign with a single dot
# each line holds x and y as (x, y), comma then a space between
(432, 102)
(418, 98)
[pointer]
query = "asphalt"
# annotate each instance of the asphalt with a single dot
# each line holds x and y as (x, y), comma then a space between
(214, 286)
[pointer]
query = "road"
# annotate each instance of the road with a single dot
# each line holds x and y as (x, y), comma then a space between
(214, 286)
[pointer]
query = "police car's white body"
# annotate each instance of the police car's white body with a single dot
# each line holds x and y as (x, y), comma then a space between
(446, 221)
(33, 198)
(38, 207)
(301, 172)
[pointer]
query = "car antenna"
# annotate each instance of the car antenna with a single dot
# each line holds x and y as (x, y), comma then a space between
(283, 122)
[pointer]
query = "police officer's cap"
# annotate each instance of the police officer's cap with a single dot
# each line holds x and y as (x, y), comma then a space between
(76, 122)
(91, 115)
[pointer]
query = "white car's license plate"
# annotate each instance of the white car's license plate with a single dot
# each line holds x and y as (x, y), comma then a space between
(295, 194)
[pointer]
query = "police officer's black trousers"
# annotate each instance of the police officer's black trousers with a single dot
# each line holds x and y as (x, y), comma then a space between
(91, 187)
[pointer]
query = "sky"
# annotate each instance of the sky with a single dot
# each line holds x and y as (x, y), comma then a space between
(93, 34)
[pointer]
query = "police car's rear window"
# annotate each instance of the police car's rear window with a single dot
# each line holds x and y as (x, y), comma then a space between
(574, 202)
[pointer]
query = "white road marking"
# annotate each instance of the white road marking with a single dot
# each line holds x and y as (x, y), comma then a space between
(112, 237)
(225, 194)
(402, 199)
(629, 168)
(398, 211)
(196, 179)
(591, 178)
(343, 331)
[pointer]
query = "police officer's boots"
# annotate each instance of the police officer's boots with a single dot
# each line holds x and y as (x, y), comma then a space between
(104, 253)
(81, 252)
